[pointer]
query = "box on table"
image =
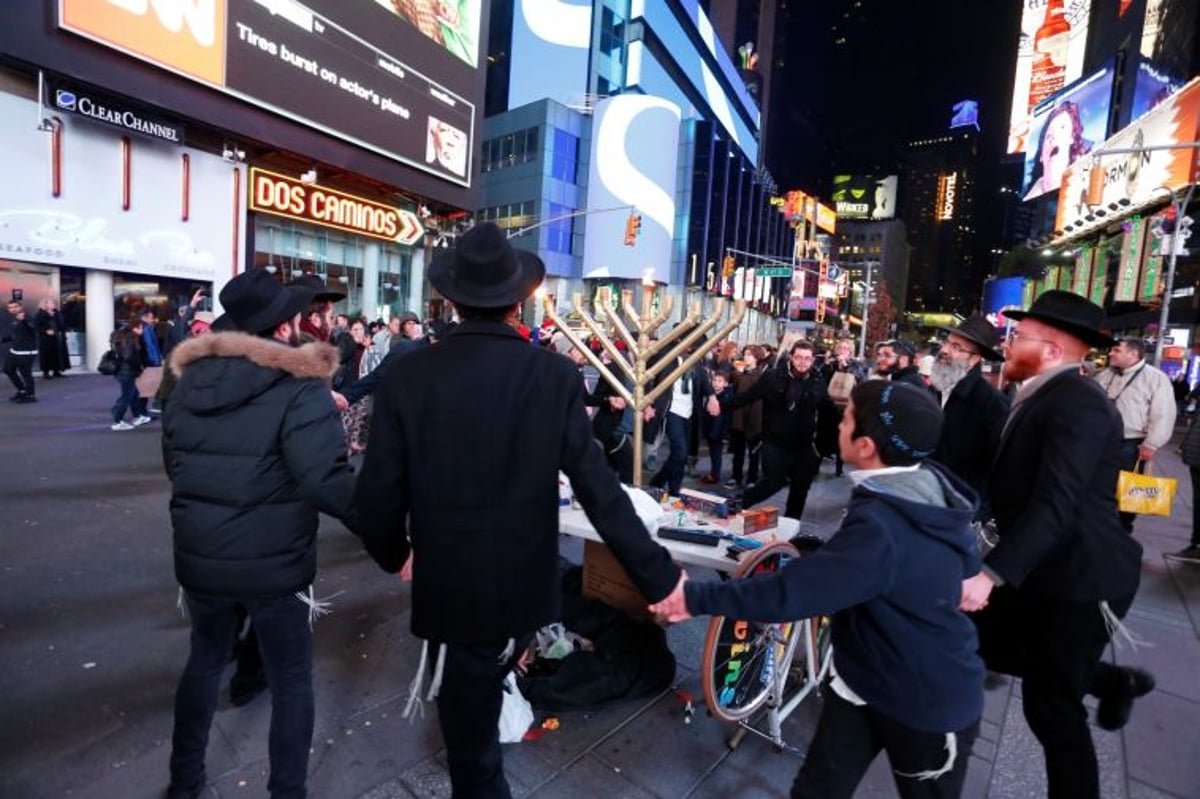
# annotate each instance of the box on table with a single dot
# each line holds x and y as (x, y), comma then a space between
(702, 502)
(606, 580)
(755, 520)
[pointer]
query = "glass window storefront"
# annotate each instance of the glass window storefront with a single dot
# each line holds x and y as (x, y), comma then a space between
(290, 249)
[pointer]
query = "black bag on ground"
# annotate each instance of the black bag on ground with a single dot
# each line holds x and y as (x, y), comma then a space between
(629, 660)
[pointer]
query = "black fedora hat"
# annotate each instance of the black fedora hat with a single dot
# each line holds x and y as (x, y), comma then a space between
(321, 292)
(254, 301)
(1069, 313)
(484, 271)
(980, 332)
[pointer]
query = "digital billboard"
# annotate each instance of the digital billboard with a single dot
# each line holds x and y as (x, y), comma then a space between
(1050, 52)
(1132, 179)
(332, 65)
(551, 41)
(865, 196)
(635, 145)
(1150, 88)
(1002, 294)
(1065, 128)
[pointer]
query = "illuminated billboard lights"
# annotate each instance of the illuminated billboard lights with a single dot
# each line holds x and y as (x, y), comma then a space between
(1065, 128)
(865, 196)
(1050, 53)
(946, 196)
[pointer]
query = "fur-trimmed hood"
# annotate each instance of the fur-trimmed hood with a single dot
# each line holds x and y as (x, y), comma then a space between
(219, 371)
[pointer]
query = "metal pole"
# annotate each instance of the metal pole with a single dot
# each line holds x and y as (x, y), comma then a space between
(862, 343)
(1169, 286)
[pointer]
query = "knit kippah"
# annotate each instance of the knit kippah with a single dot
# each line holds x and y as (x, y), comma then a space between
(908, 422)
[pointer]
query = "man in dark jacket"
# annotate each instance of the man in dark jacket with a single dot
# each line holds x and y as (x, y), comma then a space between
(1064, 570)
(974, 410)
(463, 475)
(907, 677)
(19, 363)
(793, 396)
(896, 360)
(254, 449)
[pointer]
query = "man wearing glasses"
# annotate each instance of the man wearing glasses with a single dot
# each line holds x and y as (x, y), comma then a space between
(1063, 571)
(974, 411)
(1146, 401)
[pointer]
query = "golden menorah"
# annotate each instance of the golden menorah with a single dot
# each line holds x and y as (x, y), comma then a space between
(637, 369)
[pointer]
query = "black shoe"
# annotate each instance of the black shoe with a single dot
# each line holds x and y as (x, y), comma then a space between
(17, 397)
(193, 792)
(1191, 554)
(245, 688)
(1116, 705)
(26, 398)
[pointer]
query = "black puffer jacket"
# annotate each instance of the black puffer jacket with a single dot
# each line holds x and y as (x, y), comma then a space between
(1190, 448)
(254, 448)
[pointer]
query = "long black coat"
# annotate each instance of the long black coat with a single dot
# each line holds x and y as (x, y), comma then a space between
(467, 439)
(1053, 490)
(973, 420)
(52, 341)
(254, 448)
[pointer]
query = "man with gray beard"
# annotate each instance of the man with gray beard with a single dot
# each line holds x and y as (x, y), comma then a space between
(974, 411)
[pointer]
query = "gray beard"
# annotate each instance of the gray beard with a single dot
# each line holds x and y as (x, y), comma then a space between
(946, 375)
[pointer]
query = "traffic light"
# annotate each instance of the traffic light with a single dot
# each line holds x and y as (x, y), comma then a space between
(633, 226)
(728, 266)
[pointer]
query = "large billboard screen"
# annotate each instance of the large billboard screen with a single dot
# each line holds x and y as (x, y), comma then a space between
(1151, 87)
(1065, 128)
(1135, 178)
(397, 78)
(551, 41)
(1050, 53)
(865, 196)
(635, 145)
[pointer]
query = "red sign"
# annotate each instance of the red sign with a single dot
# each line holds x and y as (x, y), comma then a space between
(285, 196)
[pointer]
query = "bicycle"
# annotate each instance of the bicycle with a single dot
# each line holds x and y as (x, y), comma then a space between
(747, 665)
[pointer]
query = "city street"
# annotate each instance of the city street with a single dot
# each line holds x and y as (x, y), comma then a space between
(93, 642)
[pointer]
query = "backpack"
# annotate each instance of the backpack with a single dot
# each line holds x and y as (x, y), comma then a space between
(629, 658)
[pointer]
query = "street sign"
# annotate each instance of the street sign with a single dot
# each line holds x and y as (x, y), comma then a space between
(773, 271)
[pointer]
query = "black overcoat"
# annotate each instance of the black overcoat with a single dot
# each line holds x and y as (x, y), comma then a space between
(1053, 491)
(467, 439)
(973, 420)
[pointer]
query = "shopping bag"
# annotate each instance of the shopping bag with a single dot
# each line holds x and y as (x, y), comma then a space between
(1145, 493)
(149, 380)
(516, 714)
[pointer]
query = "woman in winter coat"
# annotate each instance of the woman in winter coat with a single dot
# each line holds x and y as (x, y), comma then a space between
(745, 431)
(52, 340)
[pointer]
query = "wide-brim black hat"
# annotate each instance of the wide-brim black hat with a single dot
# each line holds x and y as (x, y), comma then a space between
(254, 301)
(484, 271)
(980, 332)
(321, 292)
(1069, 313)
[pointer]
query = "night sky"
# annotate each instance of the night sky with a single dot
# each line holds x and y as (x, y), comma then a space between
(851, 106)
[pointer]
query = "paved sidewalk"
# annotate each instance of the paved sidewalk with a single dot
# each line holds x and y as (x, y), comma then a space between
(92, 644)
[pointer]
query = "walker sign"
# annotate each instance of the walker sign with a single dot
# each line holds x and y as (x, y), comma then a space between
(281, 195)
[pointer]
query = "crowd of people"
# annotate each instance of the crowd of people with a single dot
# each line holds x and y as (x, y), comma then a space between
(982, 533)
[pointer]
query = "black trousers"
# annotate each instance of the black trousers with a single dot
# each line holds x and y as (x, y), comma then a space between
(469, 704)
(848, 738)
(1129, 463)
(785, 467)
(739, 447)
(1055, 647)
(1195, 475)
(19, 369)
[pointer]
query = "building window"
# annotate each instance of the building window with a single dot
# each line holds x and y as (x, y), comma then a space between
(510, 149)
(560, 232)
(565, 158)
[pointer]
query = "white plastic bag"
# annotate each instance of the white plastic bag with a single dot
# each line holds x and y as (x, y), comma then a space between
(516, 714)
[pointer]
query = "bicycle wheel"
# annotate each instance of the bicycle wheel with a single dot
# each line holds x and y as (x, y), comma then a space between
(741, 658)
(822, 635)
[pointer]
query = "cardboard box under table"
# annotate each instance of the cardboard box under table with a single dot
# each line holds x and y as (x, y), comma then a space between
(606, 580)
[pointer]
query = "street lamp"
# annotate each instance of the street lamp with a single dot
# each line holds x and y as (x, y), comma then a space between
(868, 290)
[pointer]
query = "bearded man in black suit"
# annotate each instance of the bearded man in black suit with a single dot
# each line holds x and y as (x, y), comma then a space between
(1064, 571)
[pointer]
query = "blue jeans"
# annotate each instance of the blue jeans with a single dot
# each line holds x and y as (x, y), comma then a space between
(127, 400)
(671, 473)
(285, 641)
